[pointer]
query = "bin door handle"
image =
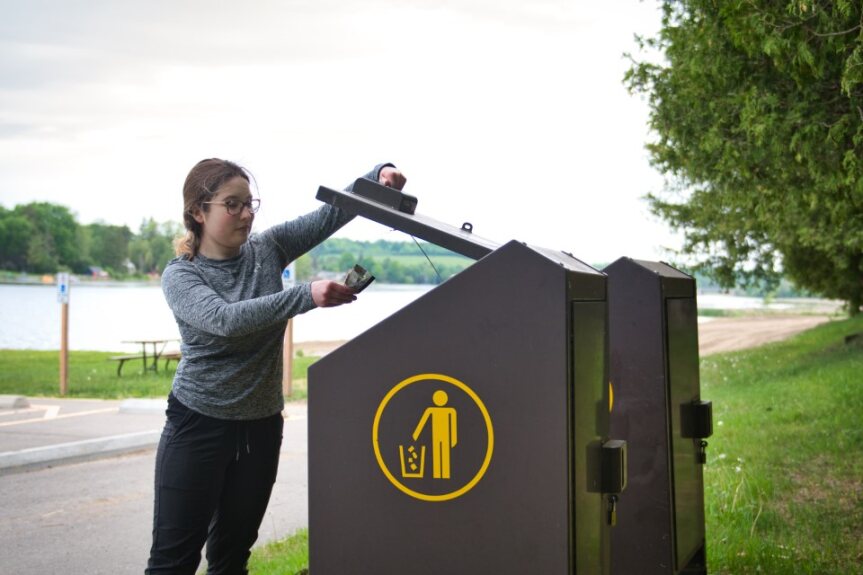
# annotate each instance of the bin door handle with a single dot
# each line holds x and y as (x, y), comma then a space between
(696, 419)
(613, 466)
(696, 422)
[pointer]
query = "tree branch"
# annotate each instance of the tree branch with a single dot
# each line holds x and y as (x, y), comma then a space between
(842, 33)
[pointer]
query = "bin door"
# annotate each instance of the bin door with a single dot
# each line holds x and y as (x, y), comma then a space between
(590, 420)
(683, 381)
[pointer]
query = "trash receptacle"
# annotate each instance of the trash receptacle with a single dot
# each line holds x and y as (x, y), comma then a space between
(658, 410)
(468, 432)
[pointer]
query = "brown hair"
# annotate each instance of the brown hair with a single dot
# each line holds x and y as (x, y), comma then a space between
(201, 186)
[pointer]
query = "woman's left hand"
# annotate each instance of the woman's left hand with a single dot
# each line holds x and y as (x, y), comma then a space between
(392, 178)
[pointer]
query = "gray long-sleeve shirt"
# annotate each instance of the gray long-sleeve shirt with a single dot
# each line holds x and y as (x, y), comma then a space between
(232, 316)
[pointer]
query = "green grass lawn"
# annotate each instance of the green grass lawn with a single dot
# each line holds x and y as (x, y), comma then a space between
(92, 375)
(288, 556)
(784, 480)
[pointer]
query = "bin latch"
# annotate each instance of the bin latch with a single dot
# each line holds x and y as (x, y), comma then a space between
(697, 423)
(613, 474)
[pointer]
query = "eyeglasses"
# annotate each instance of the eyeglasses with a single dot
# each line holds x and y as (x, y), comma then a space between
(235, 207)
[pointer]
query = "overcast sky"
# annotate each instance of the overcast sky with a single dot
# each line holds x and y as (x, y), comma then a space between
(508, 114)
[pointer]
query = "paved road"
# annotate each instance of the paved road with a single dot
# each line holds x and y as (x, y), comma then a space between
(94, 517)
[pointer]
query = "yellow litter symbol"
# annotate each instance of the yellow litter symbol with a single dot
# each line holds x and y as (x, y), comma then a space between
(436, 433)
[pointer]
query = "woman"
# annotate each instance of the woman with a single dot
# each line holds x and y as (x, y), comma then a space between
(219, 451)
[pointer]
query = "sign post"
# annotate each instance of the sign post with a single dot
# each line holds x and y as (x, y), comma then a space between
(289, 280)
(63, 298)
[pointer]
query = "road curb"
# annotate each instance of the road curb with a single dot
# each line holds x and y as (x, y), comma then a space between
(13, 402)
(78, 450)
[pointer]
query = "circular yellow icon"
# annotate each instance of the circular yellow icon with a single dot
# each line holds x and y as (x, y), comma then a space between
(439, 410)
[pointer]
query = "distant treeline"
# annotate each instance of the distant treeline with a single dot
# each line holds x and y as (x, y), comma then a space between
(784, 288)
(44, 238)
(401, 262)
(706, 284)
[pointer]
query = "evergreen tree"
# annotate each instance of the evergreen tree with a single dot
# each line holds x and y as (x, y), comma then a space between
(757, 108)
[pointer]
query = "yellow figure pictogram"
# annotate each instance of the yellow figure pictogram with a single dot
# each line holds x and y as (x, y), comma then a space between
(444, 432)
(436, 431)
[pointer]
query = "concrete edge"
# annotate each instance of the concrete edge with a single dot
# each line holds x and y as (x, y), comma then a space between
(13, 402)
(11, 461)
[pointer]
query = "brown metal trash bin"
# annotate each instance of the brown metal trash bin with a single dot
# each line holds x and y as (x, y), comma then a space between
(464, 434)
(658, 410)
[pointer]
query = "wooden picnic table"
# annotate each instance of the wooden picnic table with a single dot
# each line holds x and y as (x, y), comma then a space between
(150, 360)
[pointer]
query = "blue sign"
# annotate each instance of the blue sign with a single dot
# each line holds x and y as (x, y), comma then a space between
(289, 276)
(63, 287)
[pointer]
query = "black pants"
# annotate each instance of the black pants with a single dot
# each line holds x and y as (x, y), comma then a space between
(213, 483)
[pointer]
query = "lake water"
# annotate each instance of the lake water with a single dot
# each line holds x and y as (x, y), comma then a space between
(102, 317)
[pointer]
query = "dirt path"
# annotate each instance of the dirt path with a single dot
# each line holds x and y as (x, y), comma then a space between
(714, 336)
(729, 334)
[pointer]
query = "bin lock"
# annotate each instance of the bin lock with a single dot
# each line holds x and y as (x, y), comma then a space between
(697, 423)
(613, 474)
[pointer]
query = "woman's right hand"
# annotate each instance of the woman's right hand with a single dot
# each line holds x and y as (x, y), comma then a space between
(326, 293)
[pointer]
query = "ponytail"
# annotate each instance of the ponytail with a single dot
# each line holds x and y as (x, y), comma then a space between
(187, 244)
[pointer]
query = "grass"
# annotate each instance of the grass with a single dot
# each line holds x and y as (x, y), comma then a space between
(784, 482)
(92, 375)
(287, 556)
(710, 312)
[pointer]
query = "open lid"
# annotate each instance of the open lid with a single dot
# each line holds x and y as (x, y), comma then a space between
(359, 201)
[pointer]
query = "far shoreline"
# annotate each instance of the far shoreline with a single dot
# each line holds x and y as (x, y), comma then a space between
(719, 335)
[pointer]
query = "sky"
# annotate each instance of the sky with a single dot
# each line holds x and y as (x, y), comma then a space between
(510, 115)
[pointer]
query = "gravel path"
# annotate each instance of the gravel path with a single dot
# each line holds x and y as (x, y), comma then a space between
(733, 333)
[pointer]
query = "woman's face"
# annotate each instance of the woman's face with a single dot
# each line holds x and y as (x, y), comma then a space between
(222, 233)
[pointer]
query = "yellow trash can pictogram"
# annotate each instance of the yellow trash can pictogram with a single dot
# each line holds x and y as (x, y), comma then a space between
(411, 462)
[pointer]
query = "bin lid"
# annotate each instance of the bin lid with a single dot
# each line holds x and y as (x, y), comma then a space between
(459, 240)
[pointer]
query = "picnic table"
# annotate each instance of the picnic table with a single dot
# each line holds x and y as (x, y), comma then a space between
(150, 361)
